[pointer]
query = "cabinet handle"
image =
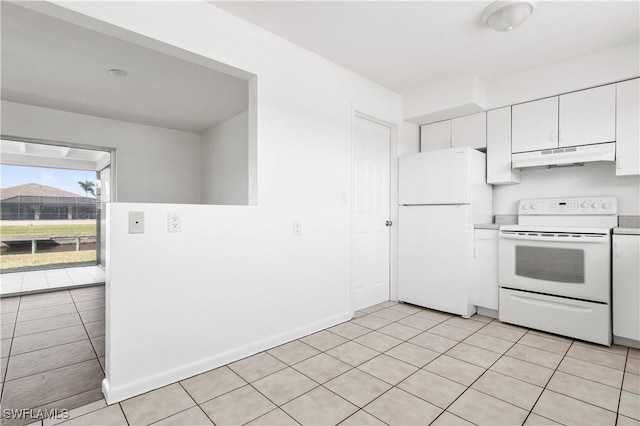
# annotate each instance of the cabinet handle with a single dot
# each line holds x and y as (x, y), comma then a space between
(615, 249)
(560, 135)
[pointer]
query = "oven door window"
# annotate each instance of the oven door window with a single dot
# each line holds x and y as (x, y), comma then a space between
(550, 264)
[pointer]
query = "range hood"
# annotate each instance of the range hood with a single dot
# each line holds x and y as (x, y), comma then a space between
(565, 156)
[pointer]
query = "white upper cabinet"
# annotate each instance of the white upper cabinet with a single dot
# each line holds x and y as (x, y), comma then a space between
(499, 171)
(588, 116)
(435, 136)
(535, 125)
(470, 130)
(628, 128)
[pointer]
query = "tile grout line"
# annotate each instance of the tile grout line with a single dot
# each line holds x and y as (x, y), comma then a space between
(478, 378)
(547, 384)
(194, 401)
(410, 375)
(71, 396)
(624, 372)
(53, 369)
(52, 346)
(322, 352)
(123, 413)
(89, 337)
(380, 353)
(420, 368)
(6, 370)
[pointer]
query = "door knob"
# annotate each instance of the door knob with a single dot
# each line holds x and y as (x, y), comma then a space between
(388, 223)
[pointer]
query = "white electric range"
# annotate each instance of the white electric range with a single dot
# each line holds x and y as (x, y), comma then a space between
(555, 267)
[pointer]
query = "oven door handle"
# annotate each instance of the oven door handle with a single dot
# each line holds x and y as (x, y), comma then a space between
(601, 239)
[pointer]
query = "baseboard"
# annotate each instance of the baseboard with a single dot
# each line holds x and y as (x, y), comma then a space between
(119, 393)
(626, 342)
(491, 313)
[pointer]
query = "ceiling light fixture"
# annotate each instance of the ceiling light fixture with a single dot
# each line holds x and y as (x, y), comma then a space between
(118, 73)
(507, 15)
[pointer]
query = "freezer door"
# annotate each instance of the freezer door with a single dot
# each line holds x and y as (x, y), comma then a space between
(434, 177)
(435, 258)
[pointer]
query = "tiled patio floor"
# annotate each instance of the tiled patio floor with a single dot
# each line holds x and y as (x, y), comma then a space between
(52, 348)
(398, 364)
(24, 282)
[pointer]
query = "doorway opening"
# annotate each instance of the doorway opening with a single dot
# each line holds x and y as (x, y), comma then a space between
(52, 199)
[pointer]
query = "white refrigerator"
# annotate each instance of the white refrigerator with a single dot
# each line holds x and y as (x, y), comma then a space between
(442, 194)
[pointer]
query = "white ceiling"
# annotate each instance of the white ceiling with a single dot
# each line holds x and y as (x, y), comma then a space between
(32, 154)
(404, 44)
(52, 63)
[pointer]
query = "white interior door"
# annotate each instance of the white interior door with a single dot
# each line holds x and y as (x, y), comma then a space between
(370, 210)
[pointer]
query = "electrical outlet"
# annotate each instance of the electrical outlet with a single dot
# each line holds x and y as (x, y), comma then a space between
(174, 222)
(297, 228)
(136, 222)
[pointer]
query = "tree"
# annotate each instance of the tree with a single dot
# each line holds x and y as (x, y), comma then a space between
(87, 186)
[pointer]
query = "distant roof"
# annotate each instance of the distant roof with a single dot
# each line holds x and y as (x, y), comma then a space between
(35, 190)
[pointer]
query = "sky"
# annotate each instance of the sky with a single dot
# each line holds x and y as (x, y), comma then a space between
(58, 178)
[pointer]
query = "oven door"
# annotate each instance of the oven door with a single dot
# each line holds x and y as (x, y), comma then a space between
(573, 265)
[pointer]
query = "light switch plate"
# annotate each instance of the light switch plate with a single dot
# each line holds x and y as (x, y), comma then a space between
(136, 222)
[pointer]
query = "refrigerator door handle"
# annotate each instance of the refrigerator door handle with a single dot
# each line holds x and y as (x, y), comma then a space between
(388, 223)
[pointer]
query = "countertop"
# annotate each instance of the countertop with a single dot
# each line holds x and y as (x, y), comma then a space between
(626, 231)
(487, 226)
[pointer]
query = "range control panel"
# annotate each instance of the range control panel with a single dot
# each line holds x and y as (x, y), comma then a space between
(569, 206)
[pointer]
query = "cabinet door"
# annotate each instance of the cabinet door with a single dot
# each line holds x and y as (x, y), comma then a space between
(499, 169)
(470, 130)
(628, 128)
(535, 125)
(435, 136)
(626, 291)
(485, 269)
(588, 116)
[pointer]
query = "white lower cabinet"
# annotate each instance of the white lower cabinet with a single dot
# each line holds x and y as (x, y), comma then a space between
(485, 268)
(626, 286)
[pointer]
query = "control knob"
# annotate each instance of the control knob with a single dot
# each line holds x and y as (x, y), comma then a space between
(595, 205)
(606, 206)
(584, 205)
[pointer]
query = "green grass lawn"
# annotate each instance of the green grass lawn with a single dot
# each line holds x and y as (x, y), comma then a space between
(16, 261)
(71, 230)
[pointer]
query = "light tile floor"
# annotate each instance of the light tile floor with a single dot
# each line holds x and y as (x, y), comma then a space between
(24, 282)
(397, 364)
(52, 350)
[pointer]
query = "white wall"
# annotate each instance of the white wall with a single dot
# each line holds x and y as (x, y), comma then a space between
(444, 99)
(224, 162)
(153, 164)
(592, 179)
(236, 280)
(462, 95)
(577, 73)
(410, 142)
